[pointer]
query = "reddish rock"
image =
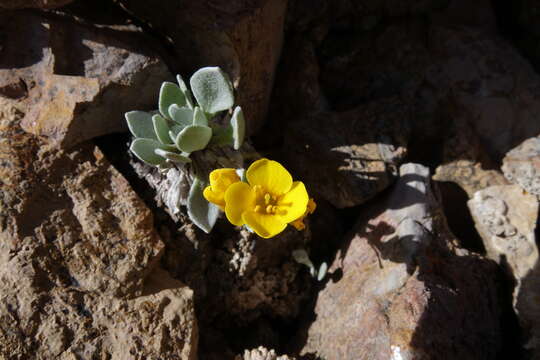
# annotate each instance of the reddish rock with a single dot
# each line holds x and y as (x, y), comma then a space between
(400, 289)
(76, 253)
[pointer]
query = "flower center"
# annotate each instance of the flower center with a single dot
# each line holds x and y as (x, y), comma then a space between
(265, 203)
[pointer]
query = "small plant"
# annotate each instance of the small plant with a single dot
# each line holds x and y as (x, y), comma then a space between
(301, 256)
(266, 201)
(183, 124)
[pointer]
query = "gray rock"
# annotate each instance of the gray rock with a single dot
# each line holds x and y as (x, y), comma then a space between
(521, 165)
(400, 289)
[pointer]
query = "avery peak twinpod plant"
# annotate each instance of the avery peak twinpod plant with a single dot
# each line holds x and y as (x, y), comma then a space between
(186, 122)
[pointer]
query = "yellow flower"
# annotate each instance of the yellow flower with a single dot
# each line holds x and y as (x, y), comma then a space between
(220, 180)
(268, 202)
(299, 223)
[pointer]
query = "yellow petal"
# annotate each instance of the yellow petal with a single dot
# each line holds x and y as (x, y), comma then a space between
(265, 225)
(214, 197)
(239, 198)
(298, 224)
(293, 204)
(270, 175)
(221, 179)
(311, 206)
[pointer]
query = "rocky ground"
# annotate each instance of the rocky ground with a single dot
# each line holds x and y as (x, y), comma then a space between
(414, 125)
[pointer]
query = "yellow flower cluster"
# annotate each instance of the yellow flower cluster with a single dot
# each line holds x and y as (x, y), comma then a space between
(266, 203)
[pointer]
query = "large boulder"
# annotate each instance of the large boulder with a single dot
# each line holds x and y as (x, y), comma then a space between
(400, 289)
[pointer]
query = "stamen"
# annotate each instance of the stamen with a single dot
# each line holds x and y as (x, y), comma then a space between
(269, 209)
(257, 208)
(267, 198)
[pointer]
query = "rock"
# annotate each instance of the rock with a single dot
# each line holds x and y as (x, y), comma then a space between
(78, 80)
(399, 288)
(38, 4)
(261, 353)
(521, 165)
(470, 176)
(78, 258)
(244, 37)
(464, 160)
(506, 219)
(347, 158)
(446, 70)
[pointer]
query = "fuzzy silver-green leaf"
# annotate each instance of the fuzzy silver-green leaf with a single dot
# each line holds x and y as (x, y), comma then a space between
(162, 129)
(181, 115)
(170, 94)
(144, 149)
(199, 118)
(212, 89)
(140, 124)
(193, 138)
(322, 271)
(203, 213)
(185, 91)
(238, 124)
(172, 156)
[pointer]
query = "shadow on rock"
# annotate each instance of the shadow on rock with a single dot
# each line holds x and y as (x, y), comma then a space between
(400, 288)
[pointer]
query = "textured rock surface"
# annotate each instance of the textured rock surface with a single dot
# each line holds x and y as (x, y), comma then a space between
(464, 160)
(77, 245)
(78, 79)
(398, 288)
(244, 37)
(347, 158)
(506, 219)
(521, 165)
(261, 353)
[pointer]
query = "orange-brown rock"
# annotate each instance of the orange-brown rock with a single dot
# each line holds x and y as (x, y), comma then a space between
(77, 80)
